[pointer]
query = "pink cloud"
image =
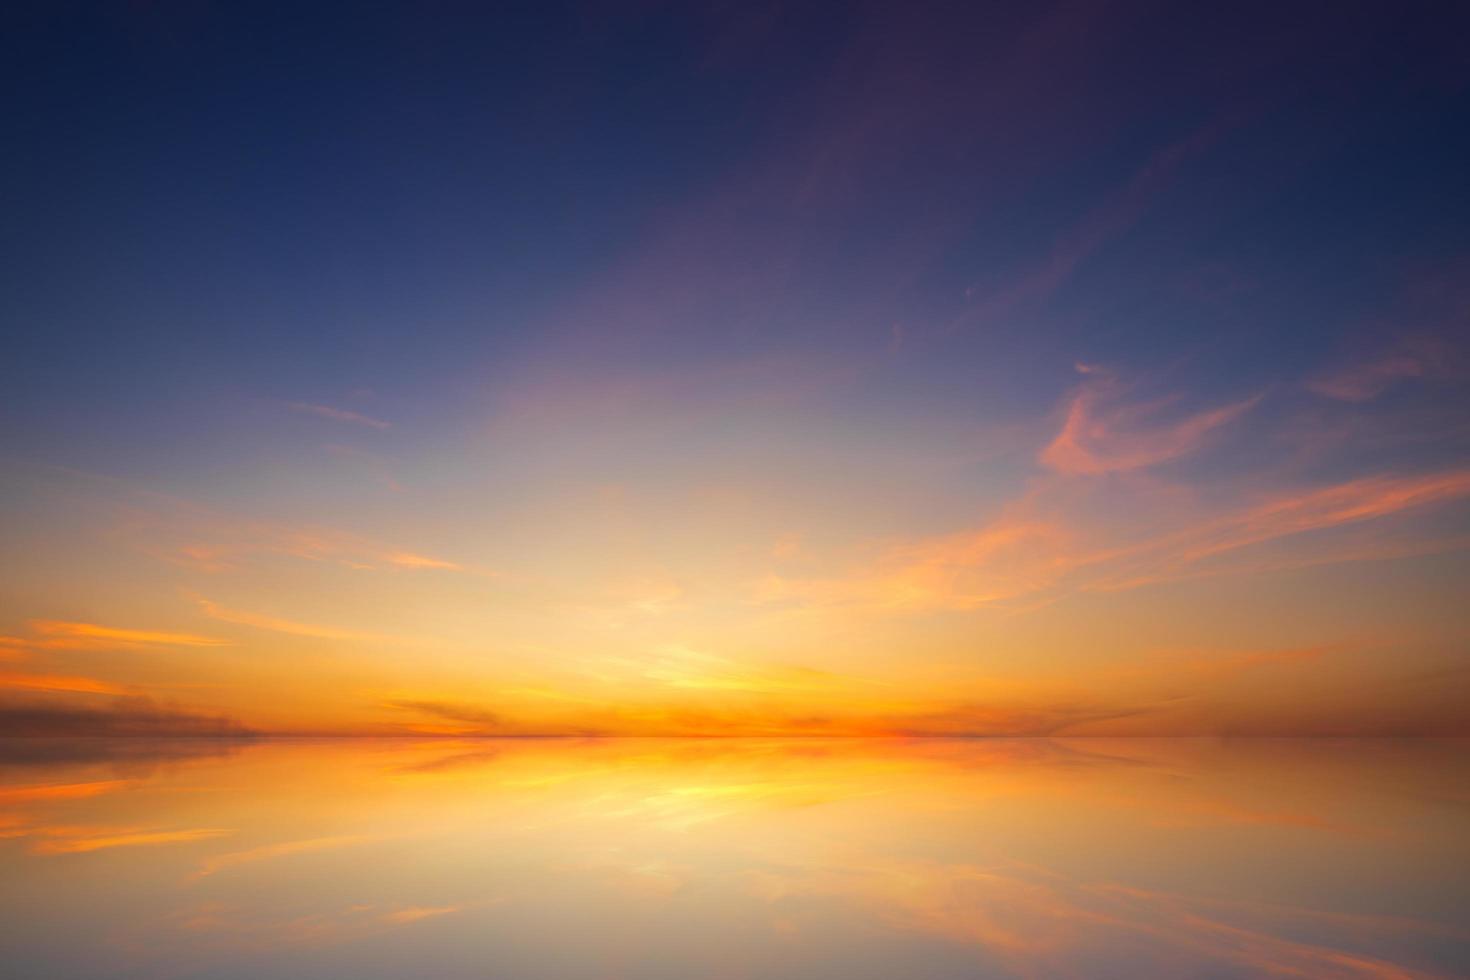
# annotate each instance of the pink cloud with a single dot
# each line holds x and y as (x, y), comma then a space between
(338, 415)
(1104, 434)
(1038, 551)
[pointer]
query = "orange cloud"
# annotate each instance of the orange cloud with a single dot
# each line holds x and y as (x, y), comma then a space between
(71, 840)
(1026, 552)
(839, 711)
(222, 546)
(405, 559)
(59, 791)
(222, 862)
(416, 913)
(216, 611)
(681, 667)
(1029, 555)
(1180, 553)
(182, 532)
(59, 635)
(58, 682)
(247, 929)
(1345, 503)
(1101, 435)
(454, 718)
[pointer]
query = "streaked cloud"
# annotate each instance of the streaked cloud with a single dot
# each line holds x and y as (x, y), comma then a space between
(269, 852)
(737, 713)
(338, 415)
(1364, 382)
(1190, 550)
(450, 710)
(258, 621)
(1109, 219)
(216, 925)
(58, 682)
(1105, 433)
(218, 545)
(1014, 556)
(417, 913)
(1032, 552)
(81, 840)
(1424, 356)
(46, 792)
(680, 666)
(1036, 920)
(68, 635)
(405, 559)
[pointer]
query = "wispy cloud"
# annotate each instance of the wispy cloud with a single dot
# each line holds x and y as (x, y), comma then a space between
(679, 666)
(58, 682)
(80, 840)
(1027, 554)
(211, 542)
(277, 625)
(1366, 381)
(62, 635)
(47, 792)
(1104, 433)
(270, 852)
(1036, 920)
(1422, 356)
(338, 415)
(783, 710)
(417, 913)
(1013, 556)
(218, 926)
(461, 718)
(1284, 515)
(407, 559)
(1111, 218)
(380, 469)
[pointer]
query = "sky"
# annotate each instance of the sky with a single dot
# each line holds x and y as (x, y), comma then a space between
(735, 369)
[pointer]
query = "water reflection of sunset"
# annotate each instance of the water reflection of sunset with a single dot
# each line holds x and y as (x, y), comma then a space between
(740, 858)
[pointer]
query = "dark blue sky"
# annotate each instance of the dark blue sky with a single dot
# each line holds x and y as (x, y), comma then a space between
(214, 201)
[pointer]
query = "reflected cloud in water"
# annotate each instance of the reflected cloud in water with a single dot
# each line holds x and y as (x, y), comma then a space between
(818, 858)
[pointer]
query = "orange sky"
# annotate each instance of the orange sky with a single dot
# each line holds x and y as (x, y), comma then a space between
(1105, 594)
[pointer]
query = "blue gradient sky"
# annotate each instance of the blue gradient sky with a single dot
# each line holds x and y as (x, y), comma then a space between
(614, 367)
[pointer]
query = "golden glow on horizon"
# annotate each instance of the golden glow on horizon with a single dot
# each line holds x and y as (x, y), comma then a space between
(1104, 594)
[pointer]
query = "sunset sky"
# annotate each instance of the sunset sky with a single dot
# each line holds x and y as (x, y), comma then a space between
(736, 369)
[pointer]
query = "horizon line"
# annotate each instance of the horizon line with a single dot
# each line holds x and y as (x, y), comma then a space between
(261, 736)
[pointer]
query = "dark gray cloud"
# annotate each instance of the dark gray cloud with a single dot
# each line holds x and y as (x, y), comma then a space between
(122, 717)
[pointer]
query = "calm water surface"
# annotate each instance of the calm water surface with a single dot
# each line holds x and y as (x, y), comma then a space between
(686, 859)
